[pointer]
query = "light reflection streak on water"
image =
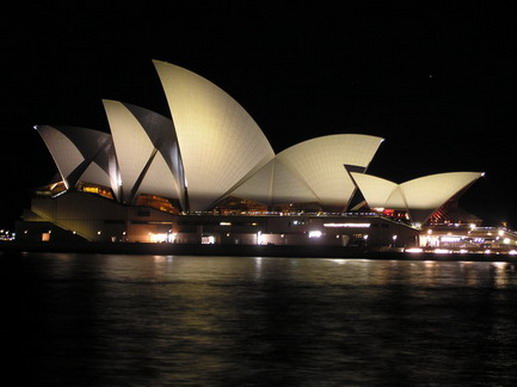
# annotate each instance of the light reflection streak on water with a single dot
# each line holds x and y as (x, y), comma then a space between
(501, 274)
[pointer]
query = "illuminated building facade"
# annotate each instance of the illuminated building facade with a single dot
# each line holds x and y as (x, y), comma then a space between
(208, 175)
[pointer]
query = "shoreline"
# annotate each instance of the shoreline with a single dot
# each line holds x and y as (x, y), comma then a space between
(279, 251)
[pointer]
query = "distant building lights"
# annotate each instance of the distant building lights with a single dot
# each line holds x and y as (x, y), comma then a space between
(315, 234)
(225, 223)
(208, 240)
(158, 238)
(512, 252)
(260, 238)
(347, 225)
(450, 239)
(441, 251)
(414, 250)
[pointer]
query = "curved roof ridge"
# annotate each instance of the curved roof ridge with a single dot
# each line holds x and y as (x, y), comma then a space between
(333, 135)
(441, 174)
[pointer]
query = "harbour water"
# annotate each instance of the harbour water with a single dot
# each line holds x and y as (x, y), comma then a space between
(91, 319)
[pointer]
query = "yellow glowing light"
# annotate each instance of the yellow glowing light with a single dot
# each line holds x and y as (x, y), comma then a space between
(157, 238)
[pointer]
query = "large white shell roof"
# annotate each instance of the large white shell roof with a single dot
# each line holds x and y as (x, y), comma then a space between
(220, 142)
(312, 171)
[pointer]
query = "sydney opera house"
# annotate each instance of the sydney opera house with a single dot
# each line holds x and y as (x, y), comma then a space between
(207, 174)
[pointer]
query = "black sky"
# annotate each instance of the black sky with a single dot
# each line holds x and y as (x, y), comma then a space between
(436, 80)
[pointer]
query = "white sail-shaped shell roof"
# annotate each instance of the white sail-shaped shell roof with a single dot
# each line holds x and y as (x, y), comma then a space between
(378, 192)
(321, 163)
(430, 192)
(312, 171)
(220, 142)
(79, 154)
(275, 184)
(420, 197)
(143, 168)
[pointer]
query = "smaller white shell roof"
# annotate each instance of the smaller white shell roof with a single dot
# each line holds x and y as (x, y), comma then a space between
(143, 168)
(419, 197)
(379, 192)
(430, 192)
(79, 153)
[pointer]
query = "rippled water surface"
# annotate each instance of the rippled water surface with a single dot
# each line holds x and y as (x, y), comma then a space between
(163, 320)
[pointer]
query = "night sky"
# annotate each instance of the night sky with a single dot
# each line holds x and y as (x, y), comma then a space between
(437, 81)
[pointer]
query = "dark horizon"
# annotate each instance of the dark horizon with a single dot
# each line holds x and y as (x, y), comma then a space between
(437, 83)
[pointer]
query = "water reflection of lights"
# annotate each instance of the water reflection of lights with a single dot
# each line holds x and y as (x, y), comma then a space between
(338, 261)
(429, 264)
(500, 265)
(163, 258)
(500, 273)
(258, 268)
